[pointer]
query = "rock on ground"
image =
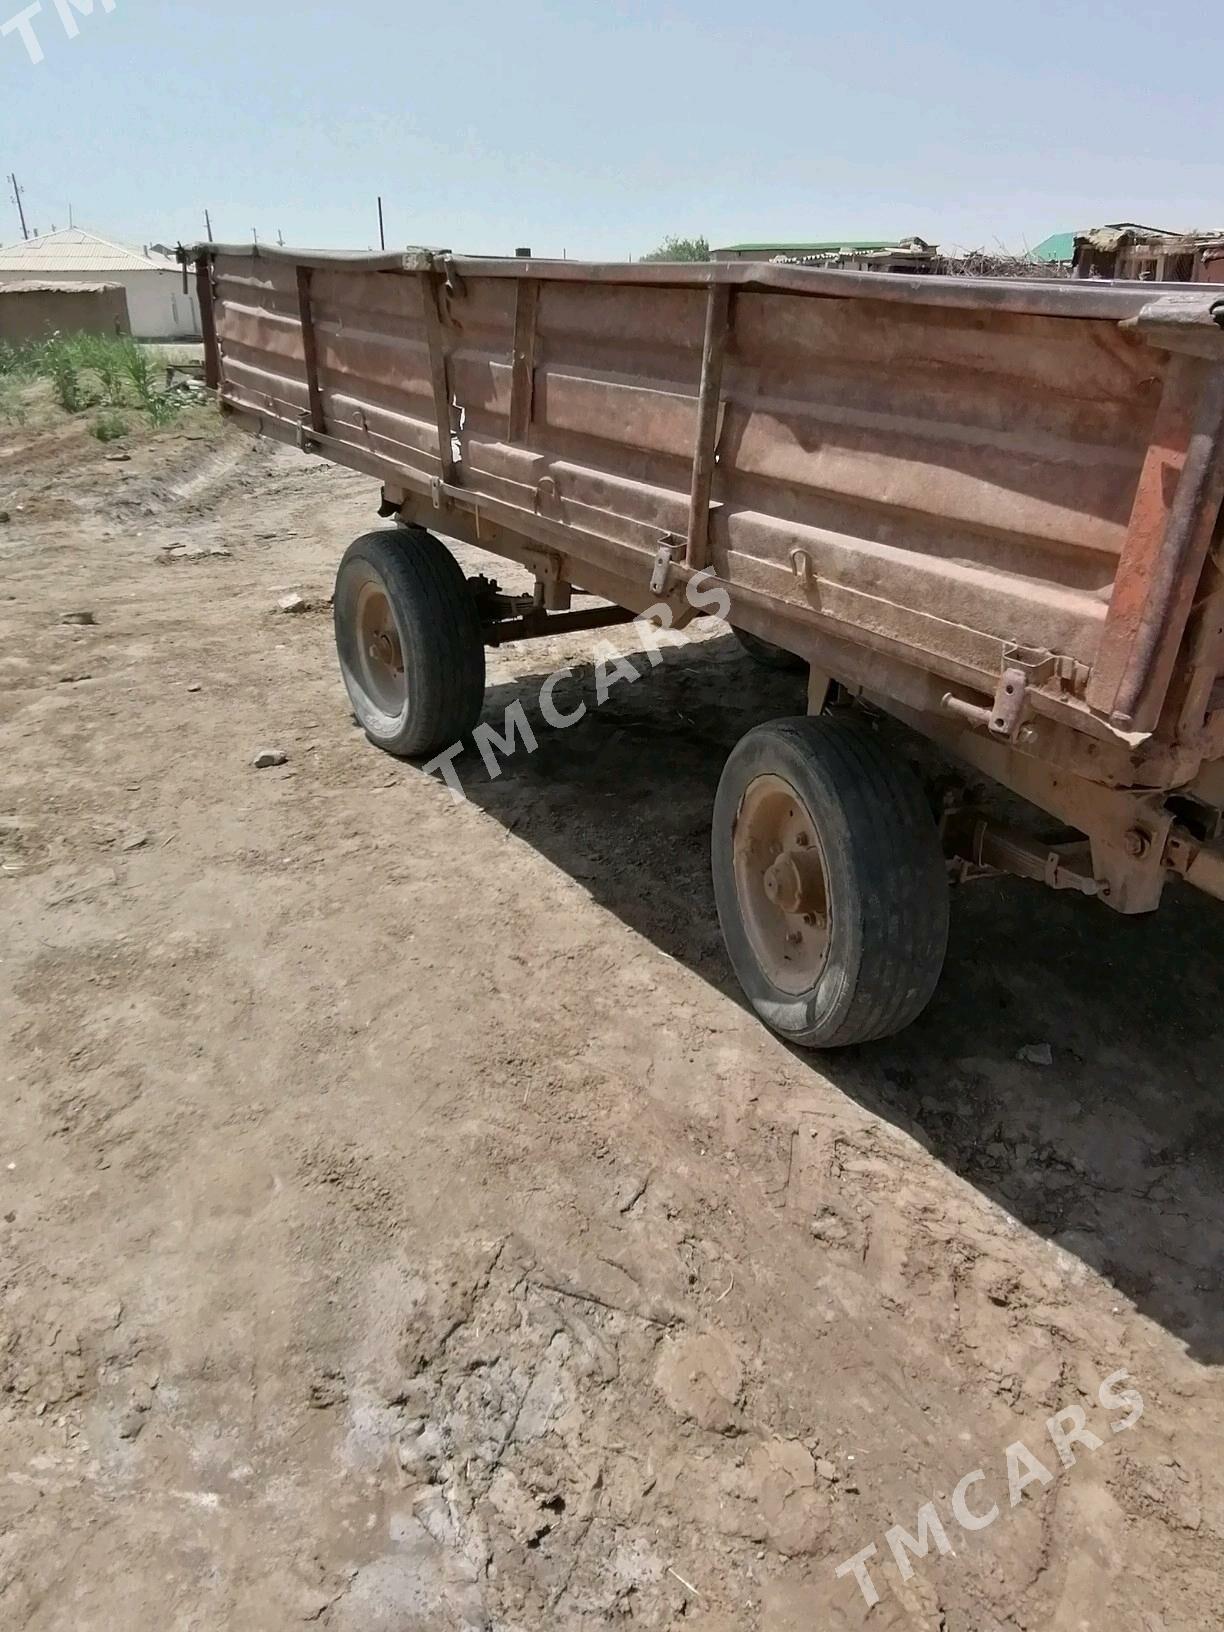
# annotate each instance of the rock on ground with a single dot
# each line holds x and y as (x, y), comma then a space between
(329, 1294)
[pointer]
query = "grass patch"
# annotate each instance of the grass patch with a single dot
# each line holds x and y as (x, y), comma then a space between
(110, 426)
(139, 371)
(89, 371)
(12, 408)
(162, 409)
(65, 376)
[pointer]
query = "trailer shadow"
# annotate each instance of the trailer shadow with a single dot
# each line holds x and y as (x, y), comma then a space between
(1116, 1150)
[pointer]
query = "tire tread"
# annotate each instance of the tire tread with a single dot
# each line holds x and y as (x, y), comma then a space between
(898, 865)
(445, 657)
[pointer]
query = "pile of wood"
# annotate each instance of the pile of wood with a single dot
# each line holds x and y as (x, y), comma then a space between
(999, 263)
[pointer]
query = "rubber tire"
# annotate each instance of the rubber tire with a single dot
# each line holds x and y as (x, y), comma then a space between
(767, 654)
(440, 636)
(885, 875)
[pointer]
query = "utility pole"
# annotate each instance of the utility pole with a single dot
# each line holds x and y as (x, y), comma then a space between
(208, 226)
(280, 237)
(382, 235)
(25, 231)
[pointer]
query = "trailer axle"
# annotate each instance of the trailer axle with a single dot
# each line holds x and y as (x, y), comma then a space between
(537, 624)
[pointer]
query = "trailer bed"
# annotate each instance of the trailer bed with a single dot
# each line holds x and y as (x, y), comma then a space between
(989, 507)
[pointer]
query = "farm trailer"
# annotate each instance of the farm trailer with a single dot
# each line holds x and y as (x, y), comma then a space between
(988, 509)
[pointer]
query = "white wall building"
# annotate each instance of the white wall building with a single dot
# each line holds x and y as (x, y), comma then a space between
(157, 306)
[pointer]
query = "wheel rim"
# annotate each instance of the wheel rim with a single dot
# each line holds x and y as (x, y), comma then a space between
(781, 884)
(380, 651)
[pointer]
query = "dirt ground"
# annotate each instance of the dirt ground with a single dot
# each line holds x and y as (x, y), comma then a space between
(404, 1226)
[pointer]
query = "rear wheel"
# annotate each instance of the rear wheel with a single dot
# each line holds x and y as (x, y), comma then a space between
(409, 641)
(829, 880)
(767, 654)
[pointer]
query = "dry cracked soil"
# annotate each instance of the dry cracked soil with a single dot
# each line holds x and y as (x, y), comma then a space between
(403, 1225)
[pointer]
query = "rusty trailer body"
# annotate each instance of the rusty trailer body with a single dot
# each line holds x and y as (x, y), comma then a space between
(991, 509)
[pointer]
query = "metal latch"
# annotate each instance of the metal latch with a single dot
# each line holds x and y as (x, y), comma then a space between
(305, 438)
(669, 548)
(1008, 710)
(1003, 718)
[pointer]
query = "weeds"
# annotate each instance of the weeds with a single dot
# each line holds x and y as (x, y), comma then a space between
(88, 371)
(140, 373)
(109, 427)
(11, 360)
(11, 406)
(107, 358)
(162, 408)
(66, 378)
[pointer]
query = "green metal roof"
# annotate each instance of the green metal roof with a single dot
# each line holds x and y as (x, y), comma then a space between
(1059, 246)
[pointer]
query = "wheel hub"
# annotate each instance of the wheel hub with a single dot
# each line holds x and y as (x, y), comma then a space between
(781, 884)
(794, 882)
(380, 654)
(384, 649)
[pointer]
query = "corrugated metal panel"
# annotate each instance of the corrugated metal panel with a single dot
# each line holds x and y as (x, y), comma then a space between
(76, 250)
(373, 354)
(37, 286)
(926, 459)
(959, 474)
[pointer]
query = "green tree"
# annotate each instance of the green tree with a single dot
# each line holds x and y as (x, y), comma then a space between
(680, 249)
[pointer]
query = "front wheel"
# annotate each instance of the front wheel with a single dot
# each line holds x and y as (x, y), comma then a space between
(829, 881)
(409, 641)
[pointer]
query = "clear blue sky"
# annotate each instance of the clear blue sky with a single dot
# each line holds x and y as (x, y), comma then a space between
(597, 127)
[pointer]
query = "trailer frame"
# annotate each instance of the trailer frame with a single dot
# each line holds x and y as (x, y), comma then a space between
(1099, 745)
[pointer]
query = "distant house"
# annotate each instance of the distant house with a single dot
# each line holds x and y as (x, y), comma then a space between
(1056, 250)
(158, 307)
(1124, 249)
(31, 310)
(860, 254)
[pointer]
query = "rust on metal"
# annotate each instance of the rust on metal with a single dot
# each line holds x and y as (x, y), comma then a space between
(931, 489)
(439, 373)
(522, 376)
(1199, 863)
(781, 883)
(709, 405)
(208, 321)
(1049, 297)
(984, 846)
(1183, 322)
(1005, 715)
(1008, 711)
(540, 623)
(660, 577)
(1192, 520)
(1199, 688)
(1175, 507)
(310, 352)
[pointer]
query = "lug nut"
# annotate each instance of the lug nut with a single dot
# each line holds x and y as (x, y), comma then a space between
(1137, 842)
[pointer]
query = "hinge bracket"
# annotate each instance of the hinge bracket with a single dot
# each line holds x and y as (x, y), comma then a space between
(665, 557)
